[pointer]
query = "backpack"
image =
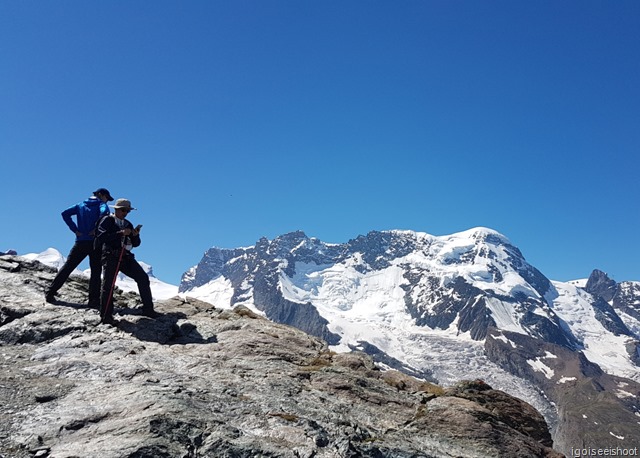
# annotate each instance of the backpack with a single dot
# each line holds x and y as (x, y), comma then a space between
(96, 245)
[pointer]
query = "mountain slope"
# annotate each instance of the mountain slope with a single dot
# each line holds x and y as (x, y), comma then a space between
(430, 306)
(205, 382)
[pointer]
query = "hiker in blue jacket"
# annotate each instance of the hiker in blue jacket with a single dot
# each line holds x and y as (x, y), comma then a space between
(87, 215)
(117, 237)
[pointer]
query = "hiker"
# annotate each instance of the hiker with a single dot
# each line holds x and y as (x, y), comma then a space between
(87, 214)
(117, 237)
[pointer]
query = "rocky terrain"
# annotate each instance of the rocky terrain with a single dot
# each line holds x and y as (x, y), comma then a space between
(201, 381)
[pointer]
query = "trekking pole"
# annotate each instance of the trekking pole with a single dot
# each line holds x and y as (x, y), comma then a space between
(115, 277)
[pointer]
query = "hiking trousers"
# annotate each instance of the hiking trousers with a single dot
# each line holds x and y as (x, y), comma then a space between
(130, 267)
(80, 250)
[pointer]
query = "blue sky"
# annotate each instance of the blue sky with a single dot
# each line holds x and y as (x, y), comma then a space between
(226, 121)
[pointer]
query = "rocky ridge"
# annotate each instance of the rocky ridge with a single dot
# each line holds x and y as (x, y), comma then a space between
(205, 382)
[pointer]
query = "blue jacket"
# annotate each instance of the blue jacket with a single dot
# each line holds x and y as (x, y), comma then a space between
(87, 215)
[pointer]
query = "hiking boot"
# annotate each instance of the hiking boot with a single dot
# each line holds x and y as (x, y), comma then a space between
(151, 313)
(51, 299)
(108, 320)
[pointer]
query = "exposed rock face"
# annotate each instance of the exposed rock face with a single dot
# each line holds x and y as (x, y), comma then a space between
(204, 382)
(601, 285)
(600, 409)
(254, 273)
(615, 300)
(624, 296)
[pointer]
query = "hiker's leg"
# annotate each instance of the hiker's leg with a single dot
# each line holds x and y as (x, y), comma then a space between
(110, 270)
(95, 263)
(76, 256)
(131, 268)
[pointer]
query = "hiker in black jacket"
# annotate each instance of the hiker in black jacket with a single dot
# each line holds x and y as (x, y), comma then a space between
(117, 237)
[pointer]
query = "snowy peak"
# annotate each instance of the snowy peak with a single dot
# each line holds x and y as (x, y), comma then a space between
(460, 283)
(479, 255)
(480, 247)
(463, 283)
(49, 257)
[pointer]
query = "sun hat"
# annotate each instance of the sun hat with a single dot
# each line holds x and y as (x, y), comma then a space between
(105, 192)
(123, 203)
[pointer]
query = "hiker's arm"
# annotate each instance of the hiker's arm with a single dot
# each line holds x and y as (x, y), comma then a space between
(135, 240)
(66, 216)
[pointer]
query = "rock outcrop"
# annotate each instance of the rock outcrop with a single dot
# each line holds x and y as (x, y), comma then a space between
(204, 382)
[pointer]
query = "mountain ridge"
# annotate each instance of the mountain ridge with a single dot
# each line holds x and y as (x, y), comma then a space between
(388, 290)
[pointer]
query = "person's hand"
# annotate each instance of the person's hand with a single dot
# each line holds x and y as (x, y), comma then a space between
(78, 234)
(126, 231)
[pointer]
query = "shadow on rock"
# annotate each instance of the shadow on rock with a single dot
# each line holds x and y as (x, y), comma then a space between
(164, 329)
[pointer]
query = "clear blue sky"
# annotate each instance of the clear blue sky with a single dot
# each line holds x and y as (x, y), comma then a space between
(226, 121)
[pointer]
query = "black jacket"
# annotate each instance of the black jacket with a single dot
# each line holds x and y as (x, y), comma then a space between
(109, 235)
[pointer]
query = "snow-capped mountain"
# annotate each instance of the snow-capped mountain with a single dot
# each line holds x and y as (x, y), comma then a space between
(466, 305)
(159, 289)
(49, 257)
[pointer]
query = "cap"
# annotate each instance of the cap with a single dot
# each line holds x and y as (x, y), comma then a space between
(104, 191)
